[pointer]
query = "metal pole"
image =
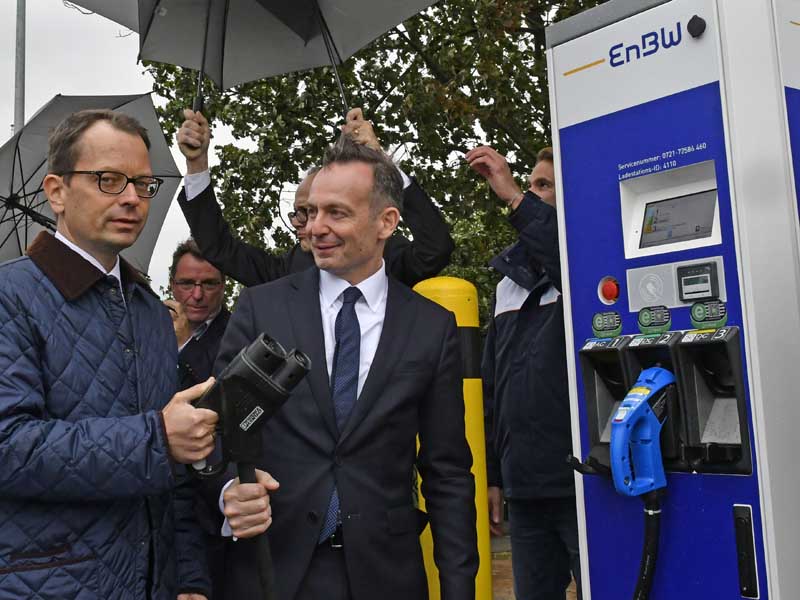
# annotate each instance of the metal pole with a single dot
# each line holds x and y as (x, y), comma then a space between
(19, 71)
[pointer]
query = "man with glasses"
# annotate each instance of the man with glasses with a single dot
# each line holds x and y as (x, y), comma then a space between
(91, 436)
(298, 216)
(198, 312)
(409, 261)
(199, 317)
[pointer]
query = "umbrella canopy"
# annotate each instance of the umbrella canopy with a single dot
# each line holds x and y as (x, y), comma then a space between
(253, 39)
(24, 209)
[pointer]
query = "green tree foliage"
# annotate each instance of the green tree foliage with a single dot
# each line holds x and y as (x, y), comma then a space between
(462, 73)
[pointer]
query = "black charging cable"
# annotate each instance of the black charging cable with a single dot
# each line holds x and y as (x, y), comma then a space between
(652, 528)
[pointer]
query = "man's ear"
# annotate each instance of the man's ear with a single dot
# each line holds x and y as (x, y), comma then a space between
(389, 219)
(53, 186)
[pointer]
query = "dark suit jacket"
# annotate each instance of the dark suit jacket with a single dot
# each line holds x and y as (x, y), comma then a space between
(414, 387)
(196, 359)
(195, 362)
(410, 262)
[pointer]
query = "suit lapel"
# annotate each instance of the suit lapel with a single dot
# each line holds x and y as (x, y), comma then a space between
(394, 335)
(306, 320)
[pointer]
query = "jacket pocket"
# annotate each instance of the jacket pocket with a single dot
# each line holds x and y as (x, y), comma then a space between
(54, 573)
(406, 519)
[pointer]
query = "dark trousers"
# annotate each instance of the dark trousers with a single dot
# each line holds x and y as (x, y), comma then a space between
(326, 577)
(544, 547)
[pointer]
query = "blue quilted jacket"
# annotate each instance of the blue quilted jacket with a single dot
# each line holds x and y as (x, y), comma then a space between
(88, 501)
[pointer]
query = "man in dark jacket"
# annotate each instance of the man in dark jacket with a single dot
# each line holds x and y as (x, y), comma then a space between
(408, 261)
(198, 312)
(385, 371)
(528, 430)
(199, 317)
(90, 440)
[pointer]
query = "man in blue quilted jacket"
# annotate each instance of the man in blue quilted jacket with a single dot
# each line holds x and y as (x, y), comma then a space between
(92, 439)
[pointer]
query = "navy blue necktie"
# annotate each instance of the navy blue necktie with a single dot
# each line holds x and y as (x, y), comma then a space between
(344, 384)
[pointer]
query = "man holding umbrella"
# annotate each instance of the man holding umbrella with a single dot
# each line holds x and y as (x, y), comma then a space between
(90, 441)
(409, 261)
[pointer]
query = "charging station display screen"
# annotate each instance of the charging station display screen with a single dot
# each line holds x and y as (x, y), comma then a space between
(678, 219)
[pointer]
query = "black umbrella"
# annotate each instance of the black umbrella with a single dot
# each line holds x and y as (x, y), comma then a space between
(24, 209)
(236, 41)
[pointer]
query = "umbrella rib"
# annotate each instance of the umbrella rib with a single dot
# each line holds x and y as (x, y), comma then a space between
(5, 212)
(10, 233)
(198, 105)
(43, 220)
(26, 194)
(18, 160)
(224, 41)
(143, 34)
(333, 53)
(40, 204)
(25, 233)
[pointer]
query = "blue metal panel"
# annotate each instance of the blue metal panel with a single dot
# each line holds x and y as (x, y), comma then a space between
(697, 557)
(793, 113)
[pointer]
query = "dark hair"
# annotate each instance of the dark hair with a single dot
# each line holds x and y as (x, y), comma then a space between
(387, 185)
(545, 154)
(63, 151)
(186, 247)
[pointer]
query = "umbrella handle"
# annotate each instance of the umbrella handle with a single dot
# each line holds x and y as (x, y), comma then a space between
(197, 104)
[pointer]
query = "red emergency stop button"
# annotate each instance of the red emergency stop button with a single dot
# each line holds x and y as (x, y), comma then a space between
(608, 290)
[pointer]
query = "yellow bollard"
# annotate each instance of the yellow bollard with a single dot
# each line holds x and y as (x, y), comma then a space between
(461, 298)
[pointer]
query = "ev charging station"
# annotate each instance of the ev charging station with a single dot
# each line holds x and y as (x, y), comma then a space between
(673, 128)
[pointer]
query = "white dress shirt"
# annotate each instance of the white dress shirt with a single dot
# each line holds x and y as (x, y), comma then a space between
(370, 311)
(200, 329)
(114, 272)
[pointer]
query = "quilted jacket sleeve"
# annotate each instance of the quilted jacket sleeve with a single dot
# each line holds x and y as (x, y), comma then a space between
(54, 460)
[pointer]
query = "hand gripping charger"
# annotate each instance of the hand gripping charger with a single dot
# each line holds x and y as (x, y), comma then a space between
(246, 395)
(637, 468)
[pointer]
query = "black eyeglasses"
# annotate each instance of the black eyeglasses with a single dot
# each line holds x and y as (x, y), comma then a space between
(300, 215)
(187, 285)
(114, 182)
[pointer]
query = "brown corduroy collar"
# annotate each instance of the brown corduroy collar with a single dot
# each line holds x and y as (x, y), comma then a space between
(69, 271)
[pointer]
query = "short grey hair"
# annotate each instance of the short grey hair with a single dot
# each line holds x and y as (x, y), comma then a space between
(387, 185)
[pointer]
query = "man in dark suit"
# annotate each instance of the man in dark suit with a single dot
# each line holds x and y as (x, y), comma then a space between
(385, 369)
(409, 261)
(199, 318)
(198, 312)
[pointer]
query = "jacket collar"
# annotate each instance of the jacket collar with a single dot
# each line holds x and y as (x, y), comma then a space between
(306, 318)
(72, 275)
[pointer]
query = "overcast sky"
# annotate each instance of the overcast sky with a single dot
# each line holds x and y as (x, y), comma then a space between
(73, 54)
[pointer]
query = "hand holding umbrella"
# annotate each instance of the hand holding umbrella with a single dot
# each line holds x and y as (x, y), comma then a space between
(194, 137)
(360, 129)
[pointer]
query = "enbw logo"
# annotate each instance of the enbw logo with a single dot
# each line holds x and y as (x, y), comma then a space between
(651, 43)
